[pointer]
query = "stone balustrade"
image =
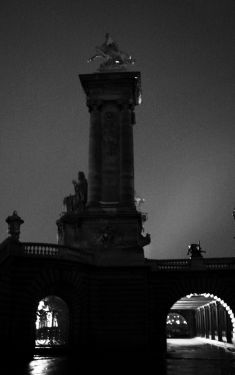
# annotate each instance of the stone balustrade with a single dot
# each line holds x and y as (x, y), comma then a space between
(219, 263)
(58, 251)
(54, 251)
(188, 264)
(169, 265)
(41, 249)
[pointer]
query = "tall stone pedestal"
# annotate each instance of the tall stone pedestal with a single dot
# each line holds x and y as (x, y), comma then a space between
(108, 229)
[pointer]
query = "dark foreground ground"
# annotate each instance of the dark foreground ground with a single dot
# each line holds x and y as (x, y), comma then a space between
(184, 357)
(198, 356)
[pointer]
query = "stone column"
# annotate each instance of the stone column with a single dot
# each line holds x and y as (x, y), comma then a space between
(110, 151)
(200, 322)
(207, 321)
(228, 327)
(218, 322)
(111, 161)
(197, 322)
(94, 176)
(203, 321)
(126, 157)
(212, 317)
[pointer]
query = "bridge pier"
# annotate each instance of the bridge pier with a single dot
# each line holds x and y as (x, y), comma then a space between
(118, 308)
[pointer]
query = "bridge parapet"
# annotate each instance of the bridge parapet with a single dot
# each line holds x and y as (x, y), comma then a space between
(44, 250)
(213, 264)
(219, 263)
(47, 250)
(169, 264)
(41, 249)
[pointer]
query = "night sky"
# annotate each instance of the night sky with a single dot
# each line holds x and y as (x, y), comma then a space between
(184, 135)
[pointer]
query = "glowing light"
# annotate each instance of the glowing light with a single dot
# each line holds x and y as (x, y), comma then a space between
(221, 301)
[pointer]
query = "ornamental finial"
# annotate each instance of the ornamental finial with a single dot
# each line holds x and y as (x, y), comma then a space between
(14, 222)
(114, 58)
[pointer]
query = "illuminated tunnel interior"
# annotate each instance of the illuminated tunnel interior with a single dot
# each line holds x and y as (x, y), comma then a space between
(201, 315)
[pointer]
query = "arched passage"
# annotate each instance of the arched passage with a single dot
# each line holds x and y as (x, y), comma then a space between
(207, 315)
(176, 325)
(52, 323)
(68, 285)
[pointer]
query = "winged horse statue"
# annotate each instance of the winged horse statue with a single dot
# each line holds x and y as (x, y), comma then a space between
(113, 57)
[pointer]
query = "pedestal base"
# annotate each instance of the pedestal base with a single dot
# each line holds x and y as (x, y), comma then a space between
(108, 236)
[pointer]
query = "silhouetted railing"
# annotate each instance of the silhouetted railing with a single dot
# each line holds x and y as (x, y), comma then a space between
(169, 264)
(75, 254)
(55, 251)
(219, 263)
(41, 249)
(191, 264)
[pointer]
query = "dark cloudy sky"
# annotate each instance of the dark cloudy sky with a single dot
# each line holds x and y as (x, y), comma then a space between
(185, 131)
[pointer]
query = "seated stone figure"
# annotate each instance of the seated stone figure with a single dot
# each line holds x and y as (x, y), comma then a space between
(77, 202)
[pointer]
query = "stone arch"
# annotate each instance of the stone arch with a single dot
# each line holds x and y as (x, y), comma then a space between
(169, 287)
(218, 288)
(188, 283)
(177, 324)
(52, 323)
(68, 283)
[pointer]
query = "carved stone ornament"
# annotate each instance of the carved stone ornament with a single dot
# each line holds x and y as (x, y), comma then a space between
(106, 236)
(113, 57)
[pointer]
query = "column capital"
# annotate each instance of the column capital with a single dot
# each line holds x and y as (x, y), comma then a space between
(112, 85)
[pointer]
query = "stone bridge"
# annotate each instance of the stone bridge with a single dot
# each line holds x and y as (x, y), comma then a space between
(114, 308)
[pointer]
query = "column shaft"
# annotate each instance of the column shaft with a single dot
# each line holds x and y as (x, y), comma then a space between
(207, 322)
(228, 328)
(127, 158)
(210, 321)
(200, 322)
(212, 314)
(218, 322)
(203, 322)
(110, 144)
(94, 177)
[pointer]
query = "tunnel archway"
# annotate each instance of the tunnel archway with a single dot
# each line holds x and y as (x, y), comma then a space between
(176, 325)
(52, 323)
(208, 316)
